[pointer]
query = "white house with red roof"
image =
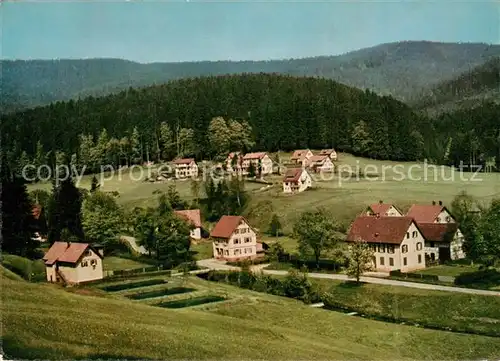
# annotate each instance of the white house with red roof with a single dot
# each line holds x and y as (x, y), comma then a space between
(397, 242)
(331, 153)
(193, 216)
(296, 180)
(301, 156)
(383, 209)
(185, 168)
(234, 162)
(444, 240)
(234, 239)
(261, 158)
(73, 263)
(320, 163)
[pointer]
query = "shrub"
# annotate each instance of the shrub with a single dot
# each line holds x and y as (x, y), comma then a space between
(24, 267)
(481, 279)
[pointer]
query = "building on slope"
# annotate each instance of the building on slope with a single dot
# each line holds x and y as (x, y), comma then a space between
(430, 213)
(331, 153)
(301, 156)
(397, 242)
(383, 209)
(261, 159)
(234, 239)
(296, 180)
(185, 168)
(193, 216)
(320, 164)
(234, 162)
(73, 263)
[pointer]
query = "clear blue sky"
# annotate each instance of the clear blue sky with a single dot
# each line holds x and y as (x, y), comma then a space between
(149, 31)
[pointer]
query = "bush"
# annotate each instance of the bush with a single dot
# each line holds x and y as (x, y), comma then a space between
(481, 279)
(24, 267)
(253, 262)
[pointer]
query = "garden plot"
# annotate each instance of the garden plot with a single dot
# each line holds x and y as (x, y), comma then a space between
(160, 293)
(190, 302)
(130, 285)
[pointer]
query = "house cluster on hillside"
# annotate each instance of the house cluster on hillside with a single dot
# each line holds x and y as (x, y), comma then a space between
(424, 235)
(239, 163)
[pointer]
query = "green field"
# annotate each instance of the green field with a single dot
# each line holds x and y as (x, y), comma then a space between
(46, 322)
(345, 198)
(112, 263)
(448, 270)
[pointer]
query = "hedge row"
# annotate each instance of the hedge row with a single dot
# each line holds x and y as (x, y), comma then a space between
(398, 273)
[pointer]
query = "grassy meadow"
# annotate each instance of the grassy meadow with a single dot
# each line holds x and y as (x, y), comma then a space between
(44, 321)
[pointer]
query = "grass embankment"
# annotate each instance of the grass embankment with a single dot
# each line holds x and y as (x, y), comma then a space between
(46, 322)
(114, 263)
(24, 267)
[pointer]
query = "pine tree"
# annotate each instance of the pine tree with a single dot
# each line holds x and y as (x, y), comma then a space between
(65, 211)
(275, 226)
(18, 224)
(94, 185)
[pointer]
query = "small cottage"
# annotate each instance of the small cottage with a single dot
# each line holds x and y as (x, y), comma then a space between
(296, 180)
(383, 209)
(185, 168)
(320, 164)
(301, 156)
(331, 153)
(261, 159)
(193, 216)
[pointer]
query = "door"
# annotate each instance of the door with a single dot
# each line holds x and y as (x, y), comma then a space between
(444, 254)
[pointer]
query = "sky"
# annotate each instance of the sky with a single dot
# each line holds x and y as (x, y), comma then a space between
(168, 31)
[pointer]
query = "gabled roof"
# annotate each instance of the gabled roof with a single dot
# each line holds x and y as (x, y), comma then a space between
(438, 232)
(327, 151)
(69, 252)
(379, 229)
(258, 155)
(231, 155)
(299, 154)
(293, 175)
(226, 226)
(425, 213)
(184, 161)
(382, 208)
(318, 158)
(36, 211)
(191, 215)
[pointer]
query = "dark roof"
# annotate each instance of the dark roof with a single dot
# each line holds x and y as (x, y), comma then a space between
(379, 229)
(293, 175)
(438, 232)
(69, 252)
(226, 226)
(298, 154)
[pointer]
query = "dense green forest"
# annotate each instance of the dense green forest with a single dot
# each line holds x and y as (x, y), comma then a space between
(283, 112)
(465, 91)
(261, 111)
(399, 69)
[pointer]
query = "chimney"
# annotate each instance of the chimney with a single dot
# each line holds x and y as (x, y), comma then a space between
(68, 244)
(440, 203)
(433, 203)
(376, 234)
(381, 202)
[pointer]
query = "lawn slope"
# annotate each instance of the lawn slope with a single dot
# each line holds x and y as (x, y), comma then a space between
(45, 322)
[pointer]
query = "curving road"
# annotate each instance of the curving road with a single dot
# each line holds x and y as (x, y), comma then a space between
(219, 265)
(133, 243)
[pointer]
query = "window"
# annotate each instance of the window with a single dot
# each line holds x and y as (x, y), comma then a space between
(88, 253)
(236, 231)
(247, 240)
(381, 248)
(236, 241)
(419, 258)
(415, 234)
(404, 261)
(93, 262)
(419, 246)
(85, 263)
(407, 234)
(391, 261)
(448, 219)
(382, 261)
(237, 252)
(432, 244)
(404, 248)
(390, 249)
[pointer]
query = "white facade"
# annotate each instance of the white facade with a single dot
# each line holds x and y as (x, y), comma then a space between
(304, 182)
(265, 161)
(186, 170)
(242, 244)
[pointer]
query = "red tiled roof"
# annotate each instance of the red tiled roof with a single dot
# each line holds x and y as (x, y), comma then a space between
(65, 252)
(380, 229)
(36, 211)
(258, 155)
(226, 226)
(317, 158)
(184, 161)
(299, 154)
(232, 154)
(380, 208)
(327, 151)
(424, 213)
(292, 175)
(438, 232)
(192, 215)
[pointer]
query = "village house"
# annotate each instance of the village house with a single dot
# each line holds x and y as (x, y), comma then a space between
(185, 168)
(397, 242)
(331, 153)
(233, 162)
(73, 263)
(296, 180)
(320, 163)
(261, 158)
(383, 209)
(443, 238)
(301, 156)
(193, 216)
(234, 239)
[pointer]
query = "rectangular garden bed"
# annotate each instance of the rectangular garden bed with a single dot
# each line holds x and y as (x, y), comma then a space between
(126, 286)
(159, 293)
(189, 302)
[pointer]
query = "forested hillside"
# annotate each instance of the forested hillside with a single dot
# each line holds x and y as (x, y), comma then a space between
(283, 112)
(469, 89)
(401, 69)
